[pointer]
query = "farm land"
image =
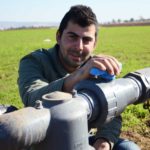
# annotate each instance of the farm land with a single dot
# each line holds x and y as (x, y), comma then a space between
(130, 45)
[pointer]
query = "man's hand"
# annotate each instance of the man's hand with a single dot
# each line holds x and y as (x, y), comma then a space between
(102, 62)
(101, 144)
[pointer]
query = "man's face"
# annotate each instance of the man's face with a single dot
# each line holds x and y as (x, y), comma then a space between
(76, 45)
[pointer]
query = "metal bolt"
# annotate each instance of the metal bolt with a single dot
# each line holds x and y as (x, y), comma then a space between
(38, 104)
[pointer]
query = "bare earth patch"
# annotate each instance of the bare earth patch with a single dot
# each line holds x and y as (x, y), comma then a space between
(142, 138)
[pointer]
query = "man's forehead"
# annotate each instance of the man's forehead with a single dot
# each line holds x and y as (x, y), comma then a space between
(80, 31)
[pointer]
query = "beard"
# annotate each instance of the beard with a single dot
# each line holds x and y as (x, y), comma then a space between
(74, 58)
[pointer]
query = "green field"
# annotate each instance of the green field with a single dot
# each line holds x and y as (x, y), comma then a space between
(131, 45)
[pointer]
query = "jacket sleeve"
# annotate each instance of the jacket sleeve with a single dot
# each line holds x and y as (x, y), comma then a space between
(32, 83)
(110, 131)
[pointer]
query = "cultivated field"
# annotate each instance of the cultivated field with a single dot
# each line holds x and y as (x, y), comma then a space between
(131, 45)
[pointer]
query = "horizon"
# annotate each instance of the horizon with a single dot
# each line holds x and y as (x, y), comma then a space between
(6, 25)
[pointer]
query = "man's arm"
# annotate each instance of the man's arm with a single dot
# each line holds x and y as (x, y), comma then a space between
(32, 82)
(103, 62)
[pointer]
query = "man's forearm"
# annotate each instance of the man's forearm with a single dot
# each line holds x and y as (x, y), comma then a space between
(72, 80)
(37, 89)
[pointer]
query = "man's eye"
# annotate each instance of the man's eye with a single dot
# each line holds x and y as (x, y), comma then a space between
(86, 40)
(72, 37)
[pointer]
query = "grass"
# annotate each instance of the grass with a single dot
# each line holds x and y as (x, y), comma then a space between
(14, 45)
(130, 45)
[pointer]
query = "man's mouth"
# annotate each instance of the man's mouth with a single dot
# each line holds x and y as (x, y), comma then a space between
(75, 56)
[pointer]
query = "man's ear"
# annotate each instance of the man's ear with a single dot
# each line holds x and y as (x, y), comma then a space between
(58, 37)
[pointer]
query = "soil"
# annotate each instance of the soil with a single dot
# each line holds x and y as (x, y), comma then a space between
(139, 136)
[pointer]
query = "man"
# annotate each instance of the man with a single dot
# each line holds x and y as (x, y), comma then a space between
(67, 63)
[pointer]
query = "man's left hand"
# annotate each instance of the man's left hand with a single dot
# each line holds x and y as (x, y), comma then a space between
(101, 144)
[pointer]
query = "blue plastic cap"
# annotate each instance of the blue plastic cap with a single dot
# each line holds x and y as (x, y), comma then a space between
(103, 74)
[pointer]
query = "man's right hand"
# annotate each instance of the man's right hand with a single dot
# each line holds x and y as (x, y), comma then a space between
(103, 62)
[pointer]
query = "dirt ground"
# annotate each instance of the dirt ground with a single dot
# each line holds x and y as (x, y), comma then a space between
(139, 136)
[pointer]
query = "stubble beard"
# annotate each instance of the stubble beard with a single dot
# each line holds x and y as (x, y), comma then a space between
(72, 63)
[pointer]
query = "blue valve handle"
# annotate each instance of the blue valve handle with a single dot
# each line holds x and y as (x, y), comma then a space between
(103, 74)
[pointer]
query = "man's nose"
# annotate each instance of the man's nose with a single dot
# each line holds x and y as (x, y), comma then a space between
(79, 44)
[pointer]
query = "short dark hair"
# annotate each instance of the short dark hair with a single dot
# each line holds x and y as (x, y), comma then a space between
(81, 15)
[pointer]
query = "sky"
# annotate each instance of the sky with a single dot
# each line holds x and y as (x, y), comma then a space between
(54, 10)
